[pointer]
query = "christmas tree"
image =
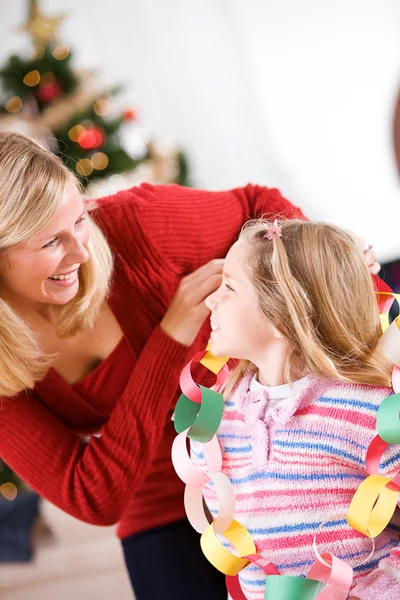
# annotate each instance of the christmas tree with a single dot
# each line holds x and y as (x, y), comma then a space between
(79, 120)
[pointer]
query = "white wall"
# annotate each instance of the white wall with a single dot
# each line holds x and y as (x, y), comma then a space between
(326, 75)
(293, 93)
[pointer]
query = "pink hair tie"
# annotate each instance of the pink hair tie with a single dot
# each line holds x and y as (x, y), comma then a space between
(272, 229)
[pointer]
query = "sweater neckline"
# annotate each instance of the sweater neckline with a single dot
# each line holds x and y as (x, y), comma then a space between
(247, 399)
(280, 392)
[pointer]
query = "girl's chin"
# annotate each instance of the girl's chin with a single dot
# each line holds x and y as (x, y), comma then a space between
(216, 351)
(216, 345)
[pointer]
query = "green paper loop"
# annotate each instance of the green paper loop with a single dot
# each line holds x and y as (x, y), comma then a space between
(388, 421)
(203, 419)
(286, 587)
(185, 413)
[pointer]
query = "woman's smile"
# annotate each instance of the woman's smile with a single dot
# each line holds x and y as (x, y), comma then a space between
(66, 279)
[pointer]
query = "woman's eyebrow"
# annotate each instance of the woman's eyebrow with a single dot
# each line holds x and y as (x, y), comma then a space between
(51, 236)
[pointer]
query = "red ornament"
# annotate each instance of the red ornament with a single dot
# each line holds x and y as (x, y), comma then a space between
(91, 138)
(129, 114)
(49, 91)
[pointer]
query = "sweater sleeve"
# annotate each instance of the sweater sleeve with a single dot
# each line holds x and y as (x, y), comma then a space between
(93, 481)
(185, 227)
(384, 581)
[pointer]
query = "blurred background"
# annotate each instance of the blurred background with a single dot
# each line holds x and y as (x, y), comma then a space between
(303, 96)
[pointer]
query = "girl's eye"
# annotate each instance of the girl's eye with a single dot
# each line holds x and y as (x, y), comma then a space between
(51, 244)
(80, 220)
(229, 288)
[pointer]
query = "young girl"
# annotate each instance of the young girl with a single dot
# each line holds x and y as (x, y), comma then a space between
(298, 307)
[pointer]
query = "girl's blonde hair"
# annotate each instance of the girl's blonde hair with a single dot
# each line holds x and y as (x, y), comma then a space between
(314, 286)
(32, 184)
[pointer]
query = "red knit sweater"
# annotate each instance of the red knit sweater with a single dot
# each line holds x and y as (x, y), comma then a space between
(157, 234)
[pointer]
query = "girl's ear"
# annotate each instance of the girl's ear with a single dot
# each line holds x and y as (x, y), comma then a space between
(277, 334)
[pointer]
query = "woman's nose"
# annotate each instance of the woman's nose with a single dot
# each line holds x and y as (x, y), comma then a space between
(79, 252)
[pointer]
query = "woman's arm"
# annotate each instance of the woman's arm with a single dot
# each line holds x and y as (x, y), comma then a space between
(185, 227)
(93, 481)
(191, 227)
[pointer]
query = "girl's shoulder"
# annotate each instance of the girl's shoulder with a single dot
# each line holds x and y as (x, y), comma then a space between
(323, 395)
(356, 395)
(241, 388)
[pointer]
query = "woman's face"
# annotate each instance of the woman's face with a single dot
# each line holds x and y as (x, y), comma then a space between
(44, 269)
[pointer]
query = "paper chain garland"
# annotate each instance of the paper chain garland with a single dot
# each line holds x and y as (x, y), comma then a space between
(197, 416)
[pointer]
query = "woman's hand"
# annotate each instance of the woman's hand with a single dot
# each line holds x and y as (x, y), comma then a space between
(187, 310)
(369, 255)
(373, 266)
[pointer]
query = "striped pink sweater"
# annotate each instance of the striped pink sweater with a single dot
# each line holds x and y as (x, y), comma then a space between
(296, 464)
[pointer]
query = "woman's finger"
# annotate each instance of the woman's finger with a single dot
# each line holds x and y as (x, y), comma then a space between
(214, 266)
(370, 258)
(374, 268)
(208, 286)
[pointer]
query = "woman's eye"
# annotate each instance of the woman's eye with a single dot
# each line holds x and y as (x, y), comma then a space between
(229, 288)
(54, 242)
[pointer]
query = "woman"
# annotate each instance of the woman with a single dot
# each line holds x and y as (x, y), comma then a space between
(99, 314)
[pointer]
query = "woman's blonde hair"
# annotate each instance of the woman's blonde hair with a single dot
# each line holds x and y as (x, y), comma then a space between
(32, 184)
(314, 286)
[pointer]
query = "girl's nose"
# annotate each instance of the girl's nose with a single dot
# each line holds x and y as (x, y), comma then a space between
(211, 301)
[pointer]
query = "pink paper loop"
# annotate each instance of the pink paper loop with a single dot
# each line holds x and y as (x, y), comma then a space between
(373, 459)
(185, 469)
(385, 301)
(338, 577)
(188, 386)
(232, 581)
(320, 557)
(396, 379)
(374, 454)
(260, 561)
(222, 376)
(194, 506)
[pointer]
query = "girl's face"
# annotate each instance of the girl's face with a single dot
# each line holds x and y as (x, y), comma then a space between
(44, 269)
(239, 328)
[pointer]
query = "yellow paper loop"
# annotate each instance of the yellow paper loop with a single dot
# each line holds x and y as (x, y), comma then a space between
(372, 506)
(389, 342)
(384, 317)
(220, 557)
(213, 363)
